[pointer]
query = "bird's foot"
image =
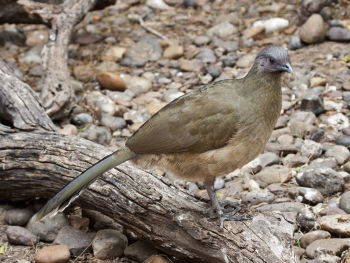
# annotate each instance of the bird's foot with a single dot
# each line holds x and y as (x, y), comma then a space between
(226, 212)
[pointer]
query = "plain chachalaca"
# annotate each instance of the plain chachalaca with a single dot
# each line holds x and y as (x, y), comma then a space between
(203, 134)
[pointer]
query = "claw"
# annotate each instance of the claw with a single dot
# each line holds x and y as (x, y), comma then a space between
(224, 210)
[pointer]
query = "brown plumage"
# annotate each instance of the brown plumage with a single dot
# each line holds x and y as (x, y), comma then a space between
(205, 133)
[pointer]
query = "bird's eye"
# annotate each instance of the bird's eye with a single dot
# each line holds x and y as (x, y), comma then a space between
(272, 60)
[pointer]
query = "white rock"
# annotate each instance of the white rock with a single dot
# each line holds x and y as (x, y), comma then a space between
(105, 104)
(331, 105)
(157, 4)
(275, 24)
(338, 121)
(137, 85)
(222, 30)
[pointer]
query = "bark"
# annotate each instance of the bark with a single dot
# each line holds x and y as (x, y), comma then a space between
(14, 13)
(19, 105)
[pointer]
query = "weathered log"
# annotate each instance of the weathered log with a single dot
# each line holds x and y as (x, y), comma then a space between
(19, 105)
(38, 164)
(14, 13)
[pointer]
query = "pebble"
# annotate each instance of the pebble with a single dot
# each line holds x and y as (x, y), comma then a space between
(157, 4)
(100, 221)
(206, 55)
(137, 115)
(313, 30)
(219, 183)
(83, 73)
(339, 152)
(99, 134)
(112, 122)
(187, 3)
(230, 59)
(146, 49)
(343, 140)
(274, 174)
(310, 237)
(137, 85)
(192, 65)
(111, 81)
(293, 160)
(285, 139)
(87, 38)
(77, 241)
(312, 103)
(82, 118)
(229, 46)
(223, 30)
(32, 56)
(245, 61)
(335, 246)
(18, 216)
(107, 66)
(311, 149)
(311, 195)
(338, 121)
(114, 53)
(346, 98)
(48, 228)
(344, 202)
(340, 34)
(140, 251)
(258, 196)
(109, 244)
(331, 211)
(336, 224)
(295, 43)
(255, 30)
(317, 81)
(18, 235)
(37, 38)
(100, 103)
(68, 129)
(214, 71)
(268, 159)
(173, 52)
(202, 40)
(323, 163)
(53, 254)
(275, 24)
(324, 179)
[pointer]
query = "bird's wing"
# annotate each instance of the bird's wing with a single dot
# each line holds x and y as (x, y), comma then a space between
(196, 122)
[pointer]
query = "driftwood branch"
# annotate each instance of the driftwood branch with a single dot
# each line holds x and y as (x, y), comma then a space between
(13, 12)
(19, 105)
(40, 163)
(56, 93)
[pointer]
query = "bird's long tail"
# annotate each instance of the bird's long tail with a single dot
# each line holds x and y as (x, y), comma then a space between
(74, 189)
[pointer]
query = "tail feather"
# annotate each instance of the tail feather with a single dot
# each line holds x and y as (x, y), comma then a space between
(75, 188)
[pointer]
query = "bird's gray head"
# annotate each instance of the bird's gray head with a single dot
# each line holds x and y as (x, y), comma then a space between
(273, 59)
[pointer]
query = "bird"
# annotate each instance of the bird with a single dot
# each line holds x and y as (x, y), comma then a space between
(205, 133)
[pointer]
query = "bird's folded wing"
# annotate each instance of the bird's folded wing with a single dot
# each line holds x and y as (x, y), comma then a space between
(196, 122)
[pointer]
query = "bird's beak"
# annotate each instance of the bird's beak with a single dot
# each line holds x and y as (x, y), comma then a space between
(287, 67)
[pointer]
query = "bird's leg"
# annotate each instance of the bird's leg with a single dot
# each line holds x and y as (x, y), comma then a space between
(221, 213)
(215, 206)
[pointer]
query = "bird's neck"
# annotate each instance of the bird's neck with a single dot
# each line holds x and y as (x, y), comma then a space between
(264, 89)
(264, 83)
